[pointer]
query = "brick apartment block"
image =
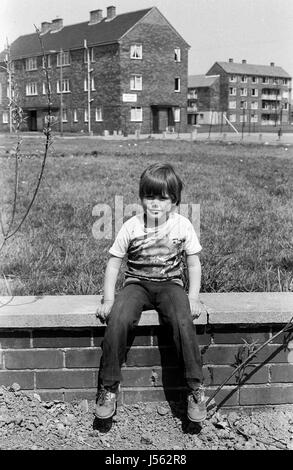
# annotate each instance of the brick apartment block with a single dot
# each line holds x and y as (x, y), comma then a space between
(255, 94)
(136, 77)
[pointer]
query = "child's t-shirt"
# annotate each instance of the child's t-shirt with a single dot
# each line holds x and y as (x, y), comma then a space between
(156, 254)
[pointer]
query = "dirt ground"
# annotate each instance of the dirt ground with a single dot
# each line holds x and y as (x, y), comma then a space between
(28, 423)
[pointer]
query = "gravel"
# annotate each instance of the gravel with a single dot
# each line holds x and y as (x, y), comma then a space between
(28, 423)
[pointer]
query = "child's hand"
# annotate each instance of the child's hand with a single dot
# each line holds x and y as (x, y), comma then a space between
(195, 307)
(104, 309)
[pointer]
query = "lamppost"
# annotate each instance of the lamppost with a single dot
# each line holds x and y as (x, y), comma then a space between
(60, 54)
(89, 100)
(61, 92)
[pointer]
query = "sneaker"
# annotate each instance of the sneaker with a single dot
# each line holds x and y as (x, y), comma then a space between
(106, 404)
(196, 406)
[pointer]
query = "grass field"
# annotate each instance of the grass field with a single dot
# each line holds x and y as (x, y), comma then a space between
(244, 191)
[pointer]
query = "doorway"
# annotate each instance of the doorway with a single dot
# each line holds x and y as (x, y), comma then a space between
(32, 121)
(163, 118)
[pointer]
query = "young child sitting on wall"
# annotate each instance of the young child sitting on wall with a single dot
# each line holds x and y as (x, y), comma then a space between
(154, 243)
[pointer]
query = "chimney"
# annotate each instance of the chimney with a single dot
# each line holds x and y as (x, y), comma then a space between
(57, 24)
(45, 27)
(230, 60)
(272, 64)
(96, 16)
(111, 12)
(244, 61)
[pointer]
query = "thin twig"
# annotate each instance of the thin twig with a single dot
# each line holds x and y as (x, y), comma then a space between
(286, 327)
(47, 132)
(247, 436)
(279, 280)
(16, 181)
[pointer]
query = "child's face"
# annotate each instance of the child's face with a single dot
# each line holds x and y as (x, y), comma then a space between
(157, 208)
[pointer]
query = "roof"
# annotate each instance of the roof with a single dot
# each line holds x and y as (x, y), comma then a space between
(251, 69)
(73, 36)
(200, 81)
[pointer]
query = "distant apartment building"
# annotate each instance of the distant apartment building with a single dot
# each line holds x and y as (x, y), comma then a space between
(254, 94)
(118, 73)
(203, 99)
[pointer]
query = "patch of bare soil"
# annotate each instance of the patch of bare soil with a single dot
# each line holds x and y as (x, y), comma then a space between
(28, 423)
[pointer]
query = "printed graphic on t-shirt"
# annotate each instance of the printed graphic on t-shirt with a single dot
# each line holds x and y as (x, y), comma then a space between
(155, 257)
(156, 253)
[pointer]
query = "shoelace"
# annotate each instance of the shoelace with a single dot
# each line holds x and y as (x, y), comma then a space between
(104, 396)
(198, 394)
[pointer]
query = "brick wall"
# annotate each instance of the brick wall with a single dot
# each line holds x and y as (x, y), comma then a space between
(41, 352)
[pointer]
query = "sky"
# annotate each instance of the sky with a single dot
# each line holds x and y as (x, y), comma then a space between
(260, 31)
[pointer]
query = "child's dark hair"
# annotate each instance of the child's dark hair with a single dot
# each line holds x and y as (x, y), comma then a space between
(160, 179)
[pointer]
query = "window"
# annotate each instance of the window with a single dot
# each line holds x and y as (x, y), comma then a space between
(63, 58)
(136, 82)
(49, 62)
(91, 53)
(177, 115)
(243, 91)
(254, 79)
(31, 64)
(177, 54)
(136, 114)
(85, 84)
(86, 115)
(243, 78)
(75, 118)
(5, 117)
(253, 118)
(65, 86)
(232, 91)
(286, 106)
(136, 51)
(10, 91)
(45, 88)
(243, 104)
(243, 118)
(64, 115)
(232, 118)
(177, 84)
(265, 79)
(232, 104)
(254, 105)
(285, 81)
(285, 94)
(233, 78)
(254, 92)
(31, 89)
(99, 114)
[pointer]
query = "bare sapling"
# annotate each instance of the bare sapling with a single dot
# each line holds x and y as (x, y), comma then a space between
(9, 228)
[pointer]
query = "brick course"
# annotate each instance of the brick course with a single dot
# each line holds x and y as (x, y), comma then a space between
(14, 339)
(33, 359)
(61, 339)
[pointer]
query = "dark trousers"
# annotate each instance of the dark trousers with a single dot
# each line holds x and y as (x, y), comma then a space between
(172, 304)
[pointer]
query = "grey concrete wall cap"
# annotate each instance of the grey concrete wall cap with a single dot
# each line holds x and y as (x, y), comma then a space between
(79, 311)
